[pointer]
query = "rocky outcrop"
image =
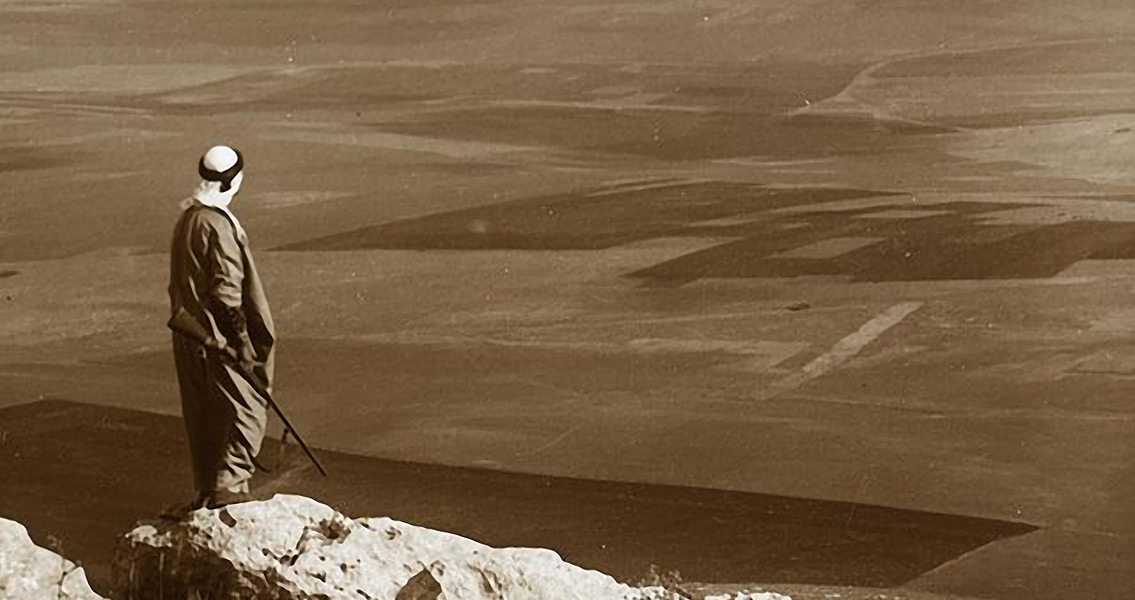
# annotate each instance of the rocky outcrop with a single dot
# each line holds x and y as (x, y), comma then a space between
(28, 572)
(750, 596)
(294, 547)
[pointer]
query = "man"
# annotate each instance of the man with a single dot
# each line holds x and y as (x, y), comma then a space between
(214, 286)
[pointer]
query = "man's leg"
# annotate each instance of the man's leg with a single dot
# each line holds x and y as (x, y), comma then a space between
(245, 420)
(189, 360)
(193, 385)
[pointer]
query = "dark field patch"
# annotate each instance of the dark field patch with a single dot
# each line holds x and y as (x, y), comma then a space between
(949, 242)
(669, 135)
(602, 219)
(23, 158)
(1019, 115)
(952, 246)
(86, 474)
(7, 274)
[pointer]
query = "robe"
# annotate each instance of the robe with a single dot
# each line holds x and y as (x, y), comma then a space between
(214, 279)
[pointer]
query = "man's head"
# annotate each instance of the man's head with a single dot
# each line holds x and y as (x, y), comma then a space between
(224, 166)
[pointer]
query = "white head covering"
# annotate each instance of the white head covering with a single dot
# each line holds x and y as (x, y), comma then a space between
(216, 188)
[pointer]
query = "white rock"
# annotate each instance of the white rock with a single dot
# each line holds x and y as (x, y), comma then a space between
(28, 572)
(750, 596)
(295, 547)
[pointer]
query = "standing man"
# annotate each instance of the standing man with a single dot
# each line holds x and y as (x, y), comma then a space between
(214, 287)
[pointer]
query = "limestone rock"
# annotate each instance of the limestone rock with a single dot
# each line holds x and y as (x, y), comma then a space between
(294, 547)
(29, 572)
(749, 596)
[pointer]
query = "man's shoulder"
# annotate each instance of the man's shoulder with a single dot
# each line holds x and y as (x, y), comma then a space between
(209, 216)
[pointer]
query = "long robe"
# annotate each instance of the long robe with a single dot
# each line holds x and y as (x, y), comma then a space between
(214, 279)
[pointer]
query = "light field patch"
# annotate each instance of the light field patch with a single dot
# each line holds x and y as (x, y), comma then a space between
(115, 78)
(858, 204)
(379, 140)
(287, 199)
(1097, 149)
(1005, 86)
(904, 214)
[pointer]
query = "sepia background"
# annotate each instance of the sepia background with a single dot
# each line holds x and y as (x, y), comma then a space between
(809, 292)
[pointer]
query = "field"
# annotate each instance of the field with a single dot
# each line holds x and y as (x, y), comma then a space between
(847, 280)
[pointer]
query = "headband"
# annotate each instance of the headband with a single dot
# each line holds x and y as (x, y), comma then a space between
(225, 177)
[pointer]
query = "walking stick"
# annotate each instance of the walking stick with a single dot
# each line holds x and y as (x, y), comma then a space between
(186, 325)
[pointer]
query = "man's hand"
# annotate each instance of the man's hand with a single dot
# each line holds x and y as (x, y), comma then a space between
(213, 345)
(246, 359)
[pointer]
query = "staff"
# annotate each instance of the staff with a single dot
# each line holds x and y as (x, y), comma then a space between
(188, 326)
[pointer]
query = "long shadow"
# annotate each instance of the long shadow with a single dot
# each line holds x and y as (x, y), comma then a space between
(84, 474)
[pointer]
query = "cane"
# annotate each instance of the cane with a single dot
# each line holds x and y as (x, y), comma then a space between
(186, 325)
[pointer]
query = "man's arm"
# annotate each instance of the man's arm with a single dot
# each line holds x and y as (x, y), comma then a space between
(225, 296)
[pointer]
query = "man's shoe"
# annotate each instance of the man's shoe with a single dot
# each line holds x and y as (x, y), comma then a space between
(179, 512)
(222, 498)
